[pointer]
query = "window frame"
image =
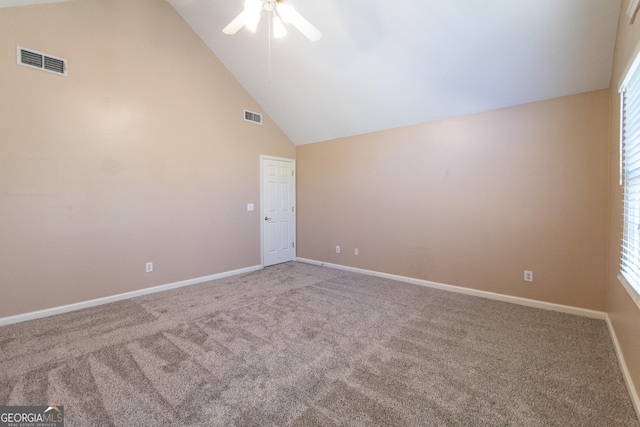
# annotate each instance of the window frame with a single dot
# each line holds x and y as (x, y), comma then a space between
(629, 90)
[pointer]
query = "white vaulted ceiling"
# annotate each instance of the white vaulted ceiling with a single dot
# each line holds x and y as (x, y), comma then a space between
(384, 64)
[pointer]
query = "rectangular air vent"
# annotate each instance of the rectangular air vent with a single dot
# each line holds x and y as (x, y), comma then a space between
(34, 59)
(250, 116)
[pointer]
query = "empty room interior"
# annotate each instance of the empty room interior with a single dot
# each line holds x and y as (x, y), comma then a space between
(398, 213)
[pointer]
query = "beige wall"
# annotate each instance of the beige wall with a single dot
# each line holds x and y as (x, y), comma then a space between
(623, 311)
(471, 201)
(140, 154)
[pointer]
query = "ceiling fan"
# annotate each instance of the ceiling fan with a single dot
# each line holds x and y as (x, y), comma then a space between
(250, 17)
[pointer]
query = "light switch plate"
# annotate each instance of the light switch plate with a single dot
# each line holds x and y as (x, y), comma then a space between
(249, 206)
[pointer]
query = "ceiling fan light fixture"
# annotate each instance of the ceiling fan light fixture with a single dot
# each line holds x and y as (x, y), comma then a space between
(286, 11)
(278, 28)
(251, 20)
(250, 17)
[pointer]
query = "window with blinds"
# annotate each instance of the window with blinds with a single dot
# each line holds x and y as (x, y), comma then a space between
(630, 175)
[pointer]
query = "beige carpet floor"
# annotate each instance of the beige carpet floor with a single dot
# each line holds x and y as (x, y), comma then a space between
(297, 344)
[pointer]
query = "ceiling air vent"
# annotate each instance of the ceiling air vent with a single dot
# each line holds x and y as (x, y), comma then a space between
(34, 59)
(250, 116)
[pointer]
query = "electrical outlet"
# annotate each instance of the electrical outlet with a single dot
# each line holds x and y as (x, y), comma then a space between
(528, 276)
(355, 251)
(149, 267)
(337, 249)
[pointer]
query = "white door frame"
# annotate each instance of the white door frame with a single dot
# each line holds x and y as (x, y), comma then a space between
(262, 205)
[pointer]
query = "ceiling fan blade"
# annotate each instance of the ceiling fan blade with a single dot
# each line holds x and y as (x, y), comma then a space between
(306, 28)
(290, 15)
(235, 25)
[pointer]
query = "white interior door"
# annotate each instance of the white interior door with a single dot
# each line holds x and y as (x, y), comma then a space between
(278, 210)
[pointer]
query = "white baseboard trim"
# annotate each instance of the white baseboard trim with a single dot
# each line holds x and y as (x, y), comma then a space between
(99, 301)
(483, 294)
(635, 398)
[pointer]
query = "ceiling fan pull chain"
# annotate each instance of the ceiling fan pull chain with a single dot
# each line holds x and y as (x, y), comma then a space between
(269, 48)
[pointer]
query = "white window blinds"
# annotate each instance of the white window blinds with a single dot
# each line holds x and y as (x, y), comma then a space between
(630, 175)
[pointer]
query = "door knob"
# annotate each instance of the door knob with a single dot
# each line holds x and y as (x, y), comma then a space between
(266, 218)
